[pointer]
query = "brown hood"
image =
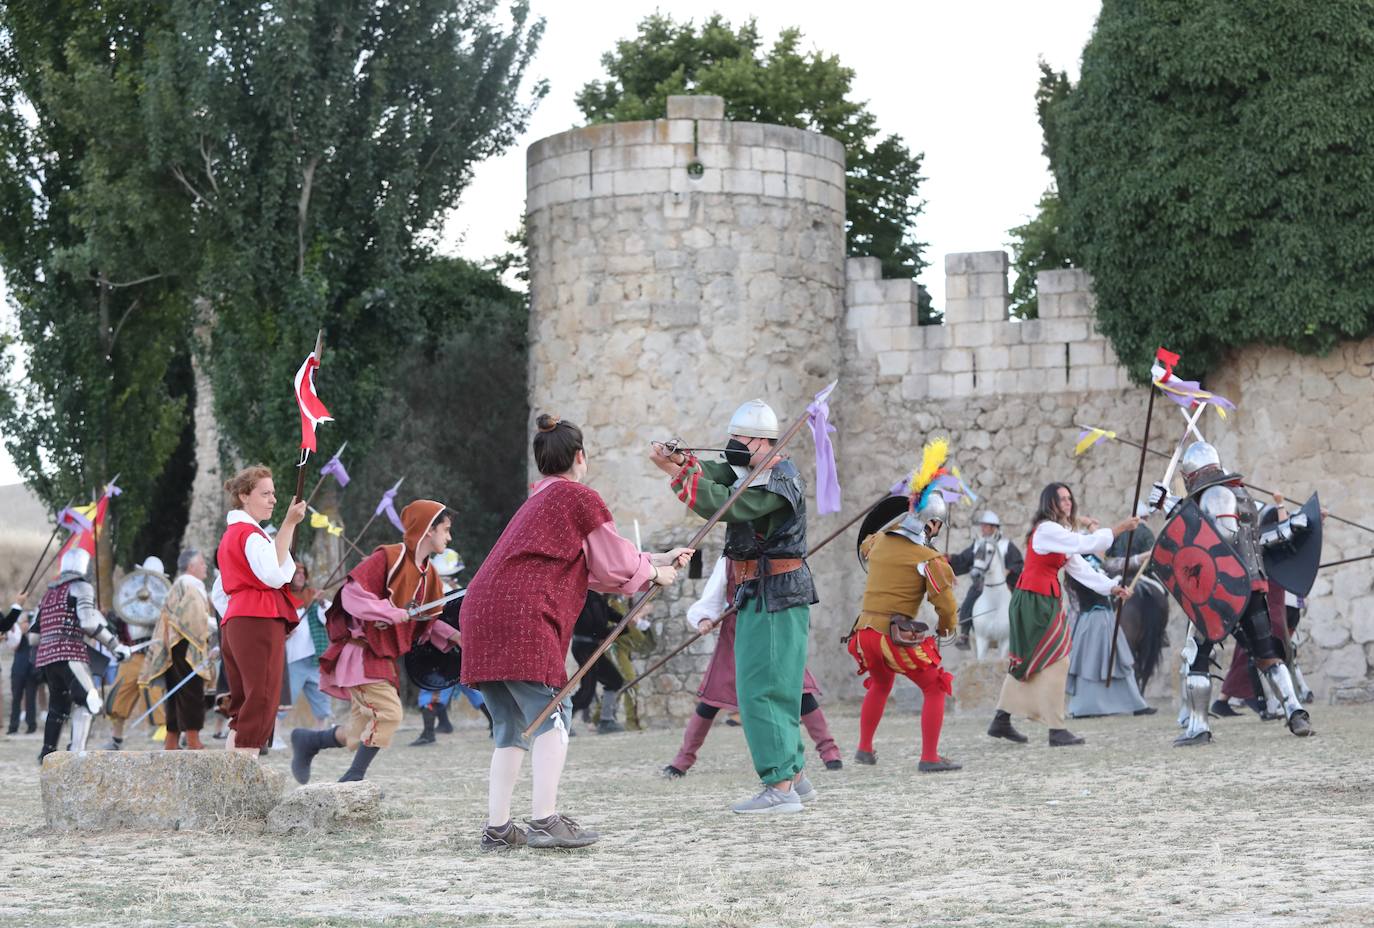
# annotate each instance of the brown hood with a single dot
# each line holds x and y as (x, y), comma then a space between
(406, 583)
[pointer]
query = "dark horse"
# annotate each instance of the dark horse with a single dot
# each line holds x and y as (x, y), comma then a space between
(1145, 616)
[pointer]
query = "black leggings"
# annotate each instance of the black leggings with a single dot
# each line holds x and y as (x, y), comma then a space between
(604, 671)
(64, 690)
(24, 680)
(808, 705)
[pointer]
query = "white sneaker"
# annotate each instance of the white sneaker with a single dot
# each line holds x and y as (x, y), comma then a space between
(770, 800)
(803, 788)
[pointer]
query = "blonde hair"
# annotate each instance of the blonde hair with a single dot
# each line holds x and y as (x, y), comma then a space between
(242, 483)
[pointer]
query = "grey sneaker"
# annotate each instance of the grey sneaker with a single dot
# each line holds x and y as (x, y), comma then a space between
(771, 799)
(506, 838)
(558, 831)
(803, 788)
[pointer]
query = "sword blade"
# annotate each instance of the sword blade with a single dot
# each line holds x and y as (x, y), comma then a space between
(443, 600)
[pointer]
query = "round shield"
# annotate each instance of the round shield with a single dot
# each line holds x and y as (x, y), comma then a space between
(1202, 571)
(879, 518)
(138, 599)
(432, 669)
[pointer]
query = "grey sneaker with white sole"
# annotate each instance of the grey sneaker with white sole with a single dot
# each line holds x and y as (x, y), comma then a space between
(803, 788)
(558, 831)
(769, 800)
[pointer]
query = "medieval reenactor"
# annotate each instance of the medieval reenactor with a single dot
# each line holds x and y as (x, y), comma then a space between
(67, 616)
(372, 623)
(976, 559)
(1038, 666)
(717, 690)
(1216, 555)
(433, 703)
(254, 573)
(904, 569)
(181, 651)
(518, 622)
(765, 541)
(138, 603)
(594, 625)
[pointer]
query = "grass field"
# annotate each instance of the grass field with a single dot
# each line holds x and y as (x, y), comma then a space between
(1259, 829)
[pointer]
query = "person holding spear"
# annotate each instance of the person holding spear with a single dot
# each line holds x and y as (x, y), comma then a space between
(518, 620)
(765, 542)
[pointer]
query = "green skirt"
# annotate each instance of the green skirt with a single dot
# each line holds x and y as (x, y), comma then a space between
(1039, 633)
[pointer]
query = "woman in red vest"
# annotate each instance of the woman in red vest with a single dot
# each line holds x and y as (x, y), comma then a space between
(254, 572)
(1039, 647)
(518, 620)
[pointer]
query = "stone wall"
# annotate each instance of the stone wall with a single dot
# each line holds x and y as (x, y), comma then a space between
(680, 267)
(684, 265)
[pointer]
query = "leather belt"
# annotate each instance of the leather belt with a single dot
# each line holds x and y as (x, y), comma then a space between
(745, 571)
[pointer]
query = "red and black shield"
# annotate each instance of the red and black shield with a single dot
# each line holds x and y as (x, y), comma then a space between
(1202, 571)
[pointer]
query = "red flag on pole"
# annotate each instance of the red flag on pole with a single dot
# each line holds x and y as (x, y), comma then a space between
(312, 410)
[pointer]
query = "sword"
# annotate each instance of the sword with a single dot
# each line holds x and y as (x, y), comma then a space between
(417, 610)
(195, 672)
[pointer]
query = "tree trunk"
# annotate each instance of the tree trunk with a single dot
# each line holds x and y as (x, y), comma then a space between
(205, 521)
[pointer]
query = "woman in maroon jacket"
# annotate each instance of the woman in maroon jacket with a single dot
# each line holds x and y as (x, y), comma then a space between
(518, 618)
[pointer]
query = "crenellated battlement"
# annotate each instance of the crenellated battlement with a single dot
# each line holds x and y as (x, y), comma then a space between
(979, 350)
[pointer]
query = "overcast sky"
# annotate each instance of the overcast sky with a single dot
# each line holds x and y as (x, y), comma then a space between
(956, 80)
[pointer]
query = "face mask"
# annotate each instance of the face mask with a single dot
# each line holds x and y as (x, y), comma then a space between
(736, 453)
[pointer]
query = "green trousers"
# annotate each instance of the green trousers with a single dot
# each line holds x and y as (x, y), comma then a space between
(770, 664)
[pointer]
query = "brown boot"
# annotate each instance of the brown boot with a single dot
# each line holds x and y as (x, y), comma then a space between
(172, 741)
(193, 741)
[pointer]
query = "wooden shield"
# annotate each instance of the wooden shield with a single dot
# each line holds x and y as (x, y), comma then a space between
(1202, 571)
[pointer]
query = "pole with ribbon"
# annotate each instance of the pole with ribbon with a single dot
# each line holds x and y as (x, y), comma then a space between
(1169, 360)
(333, 467)
(67, 518)
(634, 611)
(388, 506)
(313, 412)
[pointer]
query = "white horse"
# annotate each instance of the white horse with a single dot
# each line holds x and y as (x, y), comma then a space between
(992, 611)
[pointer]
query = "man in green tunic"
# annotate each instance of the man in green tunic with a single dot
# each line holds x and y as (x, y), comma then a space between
(765, 542)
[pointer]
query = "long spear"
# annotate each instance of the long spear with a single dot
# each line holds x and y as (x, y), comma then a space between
(354, 543)
(649, 595)
(39, 563)
(1130, 536)
(731, 610)
(1257, 489)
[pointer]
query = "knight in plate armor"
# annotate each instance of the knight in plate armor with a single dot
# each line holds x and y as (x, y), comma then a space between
(1237, 517)
(765, 542)
(67, 617)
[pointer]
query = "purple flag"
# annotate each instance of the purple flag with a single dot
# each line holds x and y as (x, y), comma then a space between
(73, 521)
(112, 490)
(388, 505)
(827, 479)
(334, 468)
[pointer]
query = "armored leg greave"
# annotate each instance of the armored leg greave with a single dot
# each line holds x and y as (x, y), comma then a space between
(1281, 682)
(1304, 691)
(1198, 692)
(81, 728)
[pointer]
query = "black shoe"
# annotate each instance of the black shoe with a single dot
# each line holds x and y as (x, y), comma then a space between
(31, 729)
(609, 727)
(1256, 706)
(1001, 727)
(1221, 708)
(12, 731)
(1202, 737)
(672, 773)
(1062, 737)
(445, 727)
(867, 758)
(424, 739)
(835, 764)
(1300, 724)
(1148, 710)
(732, 722)
(938, 766)
(305, 744)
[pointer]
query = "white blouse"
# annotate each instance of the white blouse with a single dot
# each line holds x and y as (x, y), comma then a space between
(713, 601)
(261, 554)
(1053, 538)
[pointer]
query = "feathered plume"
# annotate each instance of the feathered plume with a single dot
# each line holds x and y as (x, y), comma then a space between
(932, 456)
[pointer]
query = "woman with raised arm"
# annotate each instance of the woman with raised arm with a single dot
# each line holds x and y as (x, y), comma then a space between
(1038, 663)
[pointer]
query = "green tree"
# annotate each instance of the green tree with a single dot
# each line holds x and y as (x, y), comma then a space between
(1040, 244)
(781, 85)
(1216, 162)
(93, 252)
(318, 149)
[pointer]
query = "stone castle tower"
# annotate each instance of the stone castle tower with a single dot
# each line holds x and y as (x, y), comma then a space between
(684, 265)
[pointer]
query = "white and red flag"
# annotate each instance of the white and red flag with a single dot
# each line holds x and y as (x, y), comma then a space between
(312, 410)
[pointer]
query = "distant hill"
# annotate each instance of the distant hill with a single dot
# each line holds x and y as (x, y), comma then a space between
(22, 513)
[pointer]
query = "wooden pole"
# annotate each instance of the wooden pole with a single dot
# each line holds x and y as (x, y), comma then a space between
(648, 597)
(28, 584)
(1130, 536)
(731, 610)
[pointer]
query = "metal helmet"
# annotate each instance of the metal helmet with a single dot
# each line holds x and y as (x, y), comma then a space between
(990, 518)
(934, 509)
(447, 562)
(1198, 455)
(755, 419)
(153, 564)
(75, 561)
